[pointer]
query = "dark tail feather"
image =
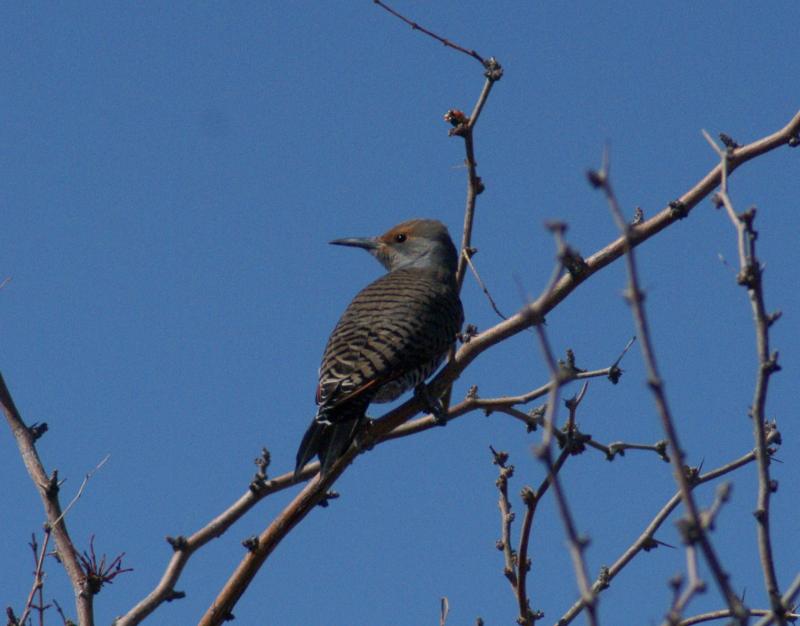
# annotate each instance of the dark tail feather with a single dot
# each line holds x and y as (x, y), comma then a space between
(327, 440)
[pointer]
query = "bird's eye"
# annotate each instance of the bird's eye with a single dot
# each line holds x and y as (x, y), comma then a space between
(400, 237)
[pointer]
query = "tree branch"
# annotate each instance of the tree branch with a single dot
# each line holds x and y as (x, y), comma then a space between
(646, 540)
(693, 530)
(523, 319)
(750, 277)
(47, 486)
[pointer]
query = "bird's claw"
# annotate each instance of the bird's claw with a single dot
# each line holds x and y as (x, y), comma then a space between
(432, 404)
(361, 440)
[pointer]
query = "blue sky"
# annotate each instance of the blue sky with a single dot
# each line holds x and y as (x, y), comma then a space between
(171, 178)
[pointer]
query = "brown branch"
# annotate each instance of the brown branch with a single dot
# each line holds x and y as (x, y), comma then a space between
(38, 576)
(576, 544)
(692, 530)
(47, 486)
(526, 616)
(422, 29)
(646, 540)
(506, 516)
(465, 128)
(787, 600)
(750, 277)
(483, 287)
(694, 586)
(723, 613)
(523, 319)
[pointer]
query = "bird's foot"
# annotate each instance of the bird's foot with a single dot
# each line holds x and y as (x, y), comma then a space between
(362, 439)
(432, 404)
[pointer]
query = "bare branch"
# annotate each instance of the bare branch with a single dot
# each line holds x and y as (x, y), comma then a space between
(788, 601)
(750, 277)
(723, 613)
(38, 575)
(693, 587)
(576, 543)
(646, 540)
(47, 486)
(483, 286)
(422, 29)
(693, 530)
(528, 316)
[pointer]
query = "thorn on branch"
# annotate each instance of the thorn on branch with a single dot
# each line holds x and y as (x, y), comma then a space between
(573, 262)
(500, 457)
(661, 449)
(51, 488)
(747, 218)
(567, 368)
(678, 209)
(251, 543)
(692, 474)
(37, 430)
(730, 144)
(773, 317)
(178, 543)
(175, 595)
(537, 417)
(614, 374)
(651, 543)
(771, 366)
(575, 442)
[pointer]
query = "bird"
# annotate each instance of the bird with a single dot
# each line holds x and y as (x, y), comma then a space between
(392, 336)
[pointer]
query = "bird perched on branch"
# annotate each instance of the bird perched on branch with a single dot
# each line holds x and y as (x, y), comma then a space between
(392, 336)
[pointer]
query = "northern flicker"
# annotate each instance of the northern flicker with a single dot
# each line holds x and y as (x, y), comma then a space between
(392, 336)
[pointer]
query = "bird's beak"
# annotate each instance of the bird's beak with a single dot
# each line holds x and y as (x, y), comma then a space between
(368, 243)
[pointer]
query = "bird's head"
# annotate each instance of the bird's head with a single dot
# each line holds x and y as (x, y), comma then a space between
(416, 243)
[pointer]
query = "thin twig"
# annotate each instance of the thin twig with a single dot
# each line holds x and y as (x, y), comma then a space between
(693, 530)
(646, 540)
(47, 486)
(422, 29)
(788, 601)
(694, 586)
(483, 286)
(475, 186)
(576, 544)
(750, 277)
(85, 481)
(38, 576)
(723, 613)
(506, 516)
